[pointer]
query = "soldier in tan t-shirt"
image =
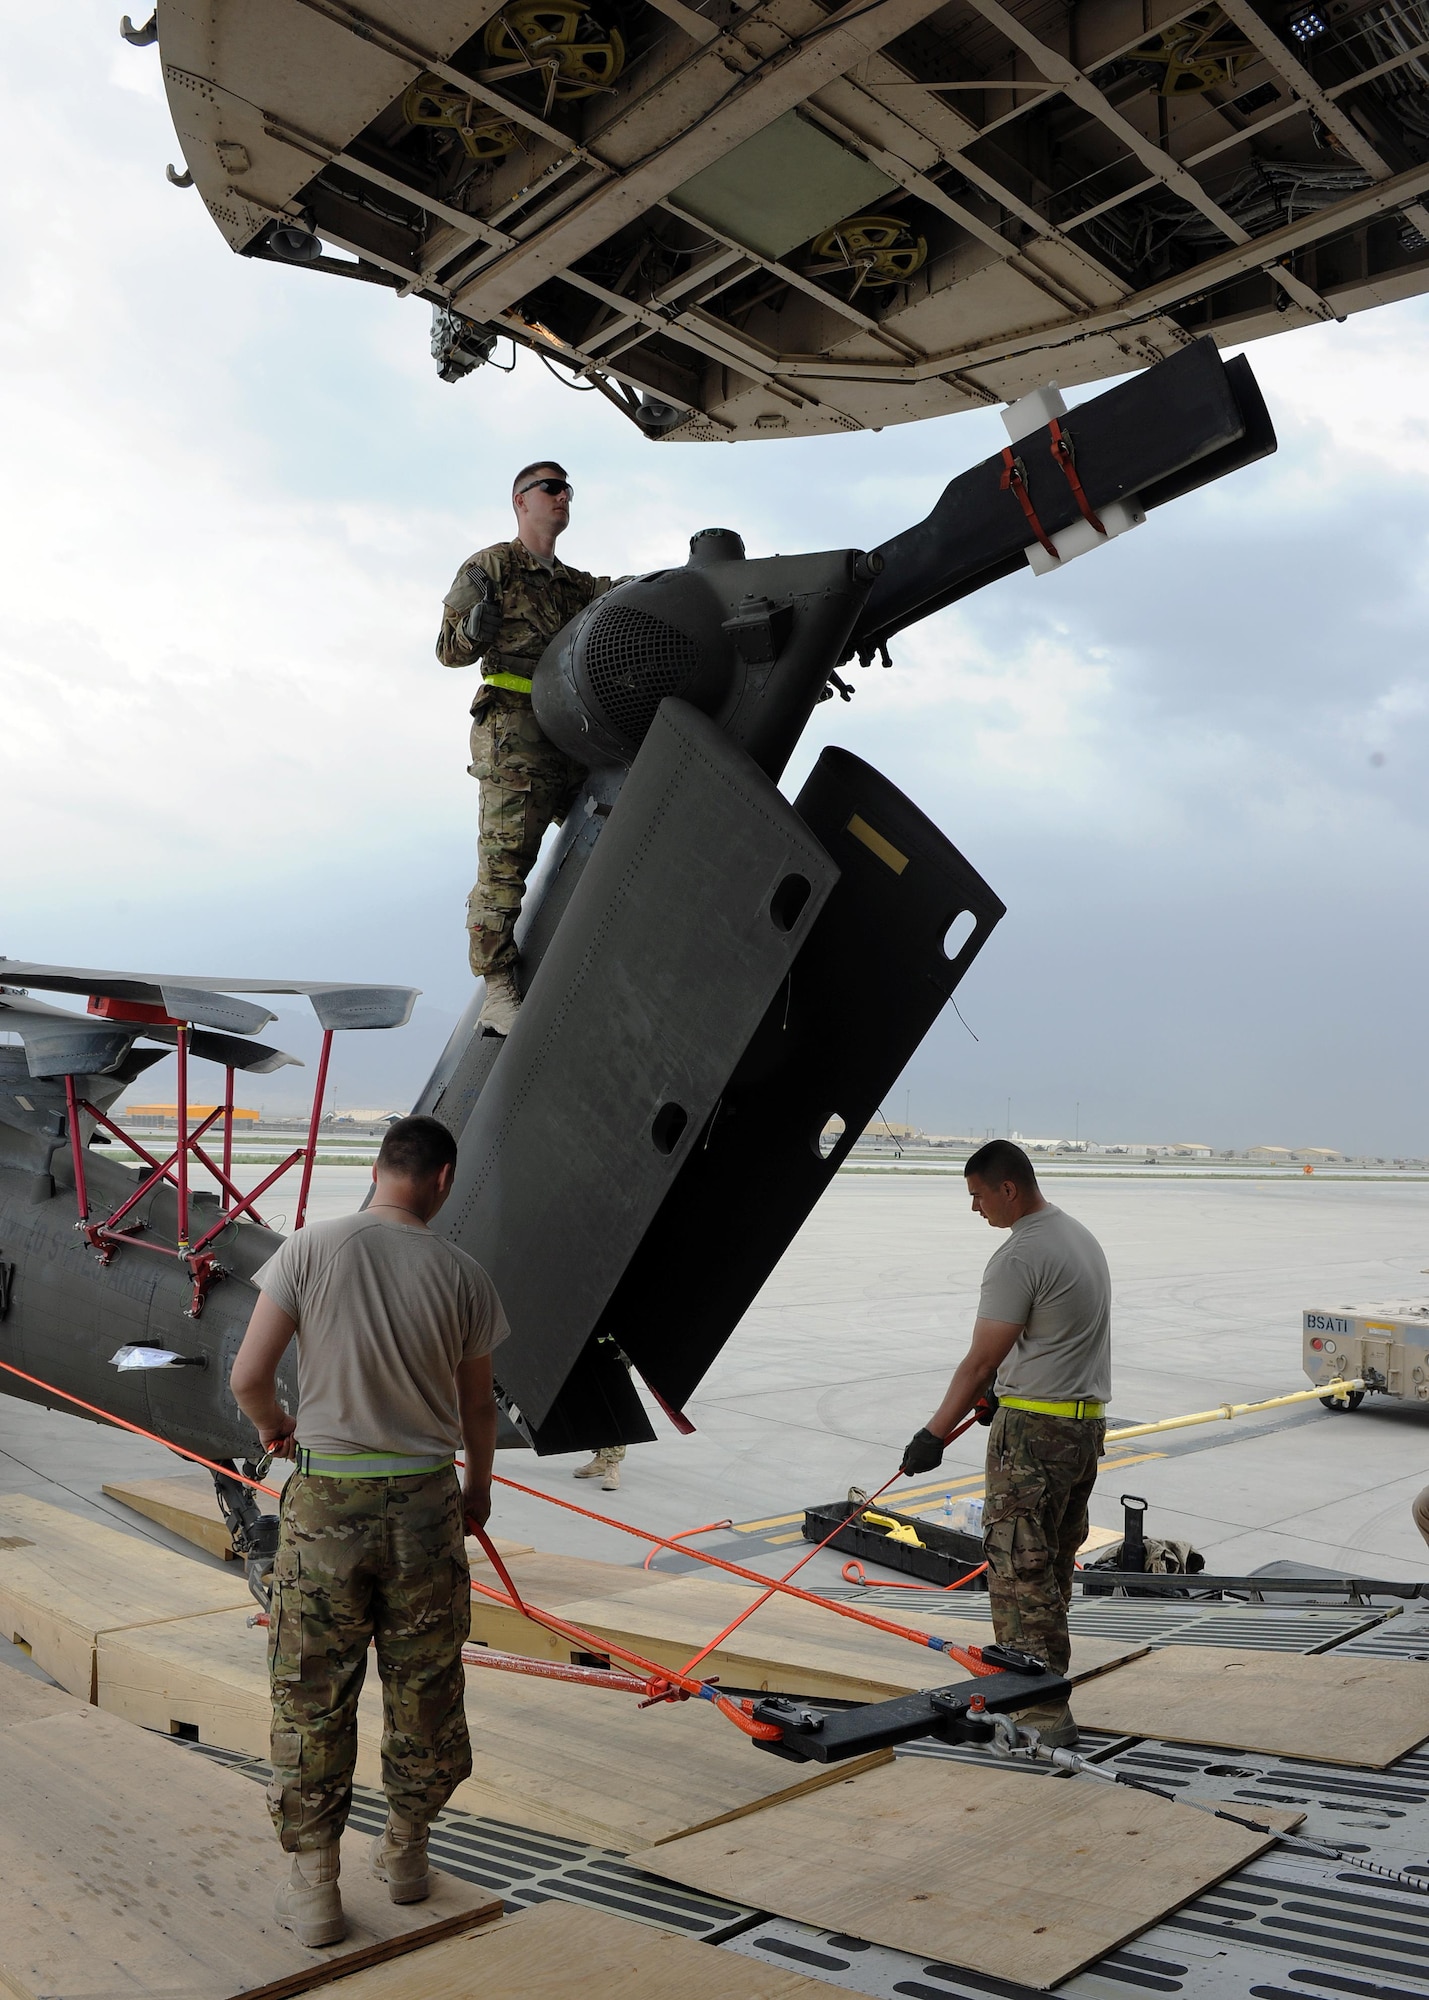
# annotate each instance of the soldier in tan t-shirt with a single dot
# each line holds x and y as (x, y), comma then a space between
(1043, 1331)
(395, 1328)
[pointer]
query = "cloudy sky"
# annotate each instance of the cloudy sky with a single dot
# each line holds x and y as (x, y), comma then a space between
(1192, 765)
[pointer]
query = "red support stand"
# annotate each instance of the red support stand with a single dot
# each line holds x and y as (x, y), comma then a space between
(105, 1237)
(319, 1092)
(228, 1123)
(182, 1114)
(81, 1192)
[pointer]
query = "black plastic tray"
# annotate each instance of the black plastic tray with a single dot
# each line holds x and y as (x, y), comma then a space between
(945, 1557)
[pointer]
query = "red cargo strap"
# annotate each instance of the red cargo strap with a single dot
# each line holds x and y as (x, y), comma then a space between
(1014, 476)
(1065, 454)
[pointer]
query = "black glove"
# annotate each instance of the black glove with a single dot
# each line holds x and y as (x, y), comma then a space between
(985, 1408)
(923, 1453)
(481, 625)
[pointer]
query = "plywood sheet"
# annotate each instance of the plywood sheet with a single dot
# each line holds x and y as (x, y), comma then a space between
(1336, 1707)
(580, 1761)
(26, 1698)
(63, 1579)
(1015, 1877)
(789, 1647)
(557, 1951)
(129, 1866)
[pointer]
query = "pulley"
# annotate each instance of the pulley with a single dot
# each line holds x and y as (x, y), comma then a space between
(486, 135)
(880, 250)
(558, 39)
(1196, 54)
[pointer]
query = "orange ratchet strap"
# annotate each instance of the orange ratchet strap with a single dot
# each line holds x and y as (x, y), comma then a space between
(1065, 454)
(1014, 479)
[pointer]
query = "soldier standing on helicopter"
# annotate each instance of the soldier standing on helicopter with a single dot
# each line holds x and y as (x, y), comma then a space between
(507, 603)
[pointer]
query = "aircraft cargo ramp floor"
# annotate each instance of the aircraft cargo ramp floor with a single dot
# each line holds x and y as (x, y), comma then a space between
(1284, 1927)
(1280, 1926)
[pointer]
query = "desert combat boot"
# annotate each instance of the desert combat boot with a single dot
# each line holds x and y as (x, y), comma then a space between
(503, 1002)
(1054, 1723)
(309, 1902)
(399, 1858)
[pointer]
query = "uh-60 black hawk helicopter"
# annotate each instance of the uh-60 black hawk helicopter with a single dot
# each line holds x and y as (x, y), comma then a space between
(683, 1081)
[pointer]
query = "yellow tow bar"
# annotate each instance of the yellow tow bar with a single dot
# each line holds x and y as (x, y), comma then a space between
(1225, 1411)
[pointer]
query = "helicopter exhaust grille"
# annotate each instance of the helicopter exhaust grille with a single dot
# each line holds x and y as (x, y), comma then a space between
(632, 662)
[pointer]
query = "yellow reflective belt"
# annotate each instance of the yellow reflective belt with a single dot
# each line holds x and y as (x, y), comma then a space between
(1081, 1408)
(518, 683)
(366, 1464)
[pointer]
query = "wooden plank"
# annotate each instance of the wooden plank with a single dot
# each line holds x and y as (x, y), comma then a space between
(128, 1866)
(1014, 1877)
(548, 1581)
(1336, 1707)
(558, 1950)
(186, 1504)
(585, 1762)
(63, 1579)
(508, 1551)
(208, 1675)
(787, 1647)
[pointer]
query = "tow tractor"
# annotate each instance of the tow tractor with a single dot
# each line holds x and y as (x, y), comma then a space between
(1385, 1347)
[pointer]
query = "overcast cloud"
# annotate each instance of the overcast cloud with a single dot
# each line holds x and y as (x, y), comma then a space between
(1192, 765)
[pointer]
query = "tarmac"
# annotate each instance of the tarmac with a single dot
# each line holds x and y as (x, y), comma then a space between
(847, 1350)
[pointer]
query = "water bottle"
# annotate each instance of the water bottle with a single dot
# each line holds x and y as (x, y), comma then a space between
(964, 1517)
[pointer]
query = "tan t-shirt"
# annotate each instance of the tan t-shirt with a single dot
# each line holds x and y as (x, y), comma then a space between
(385, 1311)
(1051, 1279)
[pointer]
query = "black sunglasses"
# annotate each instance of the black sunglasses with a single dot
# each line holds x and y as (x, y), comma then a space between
(551, 486)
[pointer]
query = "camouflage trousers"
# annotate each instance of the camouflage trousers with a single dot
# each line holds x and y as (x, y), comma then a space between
(363, 1560)
(526, 785)
(1040, 1475)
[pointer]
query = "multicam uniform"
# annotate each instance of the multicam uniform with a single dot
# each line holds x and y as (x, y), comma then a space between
(370, 1546)
(1050, 1278)
(517, 605)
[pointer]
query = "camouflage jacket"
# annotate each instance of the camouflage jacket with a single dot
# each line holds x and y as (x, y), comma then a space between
(528, 606)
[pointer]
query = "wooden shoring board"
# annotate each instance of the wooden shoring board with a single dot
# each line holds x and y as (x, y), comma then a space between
(186, 1504)
(509, 1552)
(557, 1951)
(1015, 1878)
(1337, 1708)
(64, 1579)
(585, 1762)
(548, 1581)
(787, 1647)
(127, 1866)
